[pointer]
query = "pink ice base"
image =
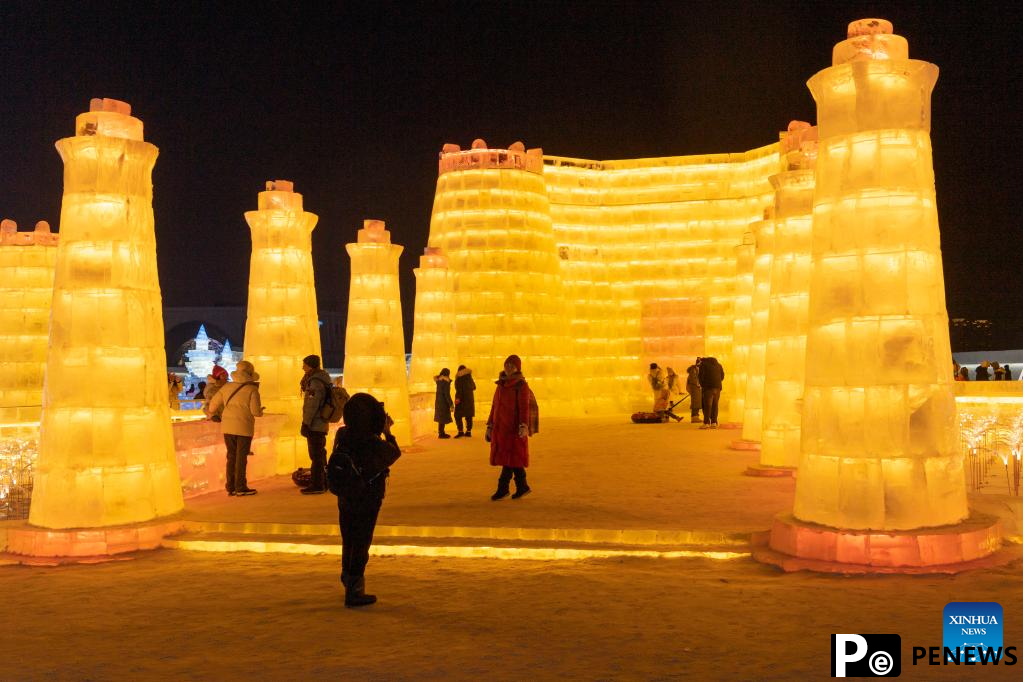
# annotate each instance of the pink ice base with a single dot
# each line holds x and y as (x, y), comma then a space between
(745, 445)
(795, 545)
(31, 545)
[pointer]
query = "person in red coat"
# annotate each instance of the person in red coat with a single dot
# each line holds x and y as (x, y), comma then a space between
(507, 432)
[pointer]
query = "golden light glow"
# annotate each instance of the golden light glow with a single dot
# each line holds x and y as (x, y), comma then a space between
(282, 325)
(447, 552)
(374, 340)
(879, 437)
(106, 452)
(27, 261)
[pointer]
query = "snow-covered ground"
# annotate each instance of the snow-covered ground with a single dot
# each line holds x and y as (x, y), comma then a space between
(181, 615)
(174, 614)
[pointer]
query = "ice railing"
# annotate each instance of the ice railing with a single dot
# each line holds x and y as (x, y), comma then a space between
(9, 234)
(516, 156)
(991, 434)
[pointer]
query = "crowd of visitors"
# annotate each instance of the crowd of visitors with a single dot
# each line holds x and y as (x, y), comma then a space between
(704, 379)
(985, 371)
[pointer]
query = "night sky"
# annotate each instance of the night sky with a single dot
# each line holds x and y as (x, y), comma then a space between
(353, 101)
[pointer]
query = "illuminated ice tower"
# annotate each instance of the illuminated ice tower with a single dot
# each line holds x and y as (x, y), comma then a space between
(785, 353)
(282, 325)
(228, 358)
(879, 443)
(106, 452)
(433, 332)
(491, 217)
(374, 339)
(745, 255)
(433, 335)
(27, 260)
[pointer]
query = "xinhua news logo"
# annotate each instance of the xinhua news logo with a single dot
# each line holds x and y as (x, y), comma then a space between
(975, 628)
(866, 655)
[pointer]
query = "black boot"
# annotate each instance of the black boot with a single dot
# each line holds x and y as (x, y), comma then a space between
(355, 592)
(502, 491)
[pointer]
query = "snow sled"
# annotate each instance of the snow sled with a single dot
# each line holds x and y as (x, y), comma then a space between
(661, 416)
(648, 417)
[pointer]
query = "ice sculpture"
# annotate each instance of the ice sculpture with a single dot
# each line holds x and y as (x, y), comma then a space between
(229, 358)
(106, 451)
(745, 255)
(200, 360)
(282, 326)
(491, 217)
(374, 338)
(879, 446)
(785, 358)
(27, 260)
(433, 338)
(752, 421)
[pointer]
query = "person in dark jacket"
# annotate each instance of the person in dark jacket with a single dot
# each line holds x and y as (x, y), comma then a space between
(315, 387)
(359, 500)
(694, 390)
(508, 431)
(982, 371)
(443, 404)
(465, 400)
(1008, 372)
(712, 374)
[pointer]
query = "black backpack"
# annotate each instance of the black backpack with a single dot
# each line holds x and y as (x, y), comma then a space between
(345, 478)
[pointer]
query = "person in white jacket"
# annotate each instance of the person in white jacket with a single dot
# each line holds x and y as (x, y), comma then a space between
(237, 405)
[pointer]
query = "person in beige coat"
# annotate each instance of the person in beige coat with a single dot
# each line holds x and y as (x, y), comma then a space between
(237, 405)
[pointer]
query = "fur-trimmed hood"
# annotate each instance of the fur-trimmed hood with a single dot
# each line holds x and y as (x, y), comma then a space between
(463, 372)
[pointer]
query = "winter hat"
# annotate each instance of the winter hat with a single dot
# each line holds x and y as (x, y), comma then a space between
(245, 372)
(461, 367)
(653, 365)
(312, 360)
(364, 415)
(219, 373)
(515, 360)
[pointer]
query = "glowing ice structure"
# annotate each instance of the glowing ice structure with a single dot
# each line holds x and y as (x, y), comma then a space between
(106, 451)
(492, 219)
(785, 358)
(879, 441)
(200, 360)
(374, 339)
(282, 326)
(228, 358)
(745, 256)
(752, 422)
(27, 261)
(433, 339)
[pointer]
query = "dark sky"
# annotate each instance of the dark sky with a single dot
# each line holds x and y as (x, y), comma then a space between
(353, 101)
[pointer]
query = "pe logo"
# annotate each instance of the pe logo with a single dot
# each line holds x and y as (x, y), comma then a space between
(975, 627)
(866, 655)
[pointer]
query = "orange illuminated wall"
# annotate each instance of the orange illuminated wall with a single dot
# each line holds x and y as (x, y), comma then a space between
(27, 261)
(879, 436)
(282, 326)
(106, 450)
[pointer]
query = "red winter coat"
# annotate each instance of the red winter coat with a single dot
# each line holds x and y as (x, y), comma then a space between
(509, 409)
